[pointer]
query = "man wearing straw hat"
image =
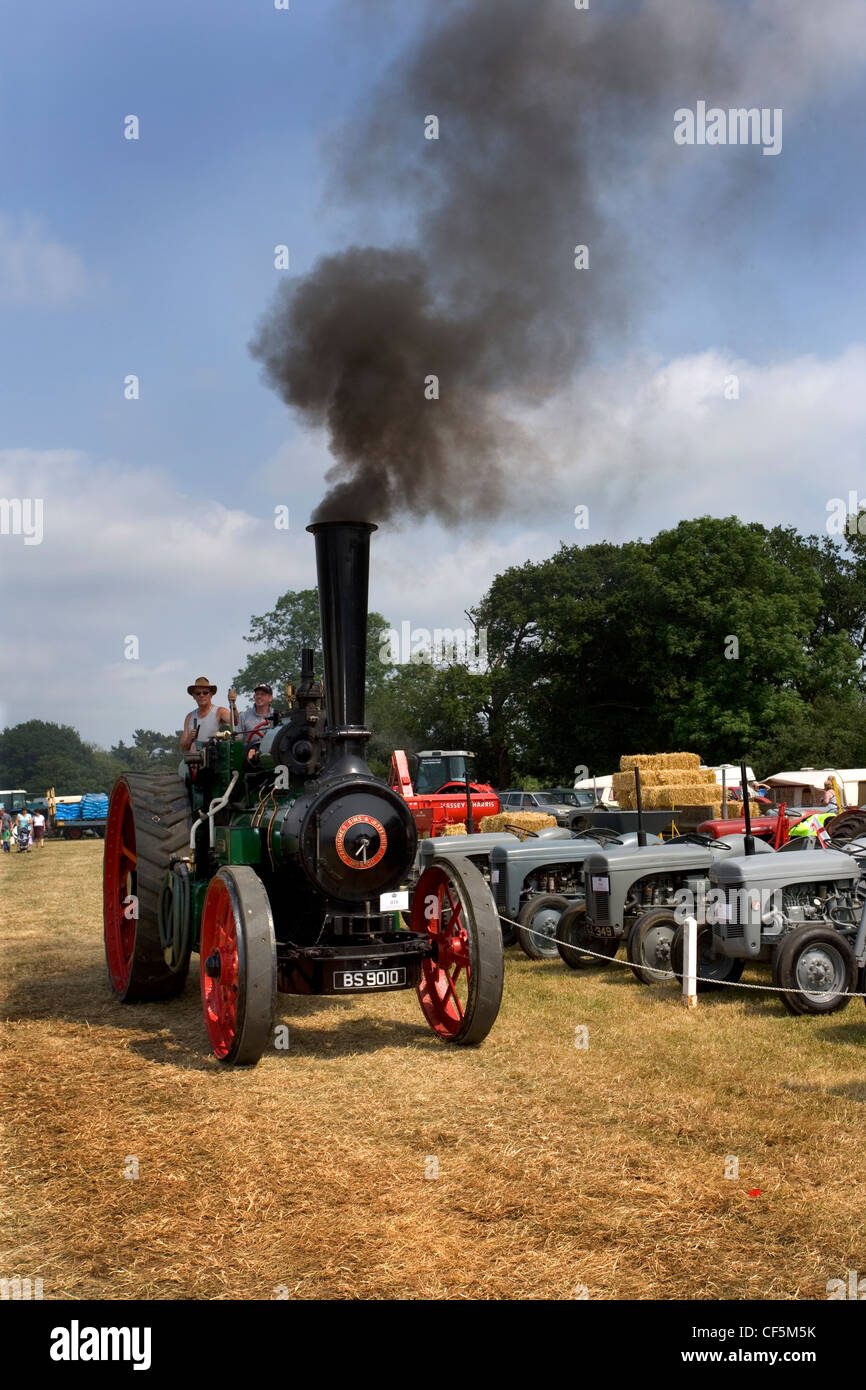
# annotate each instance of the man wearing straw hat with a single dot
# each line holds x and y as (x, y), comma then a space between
(203, 721)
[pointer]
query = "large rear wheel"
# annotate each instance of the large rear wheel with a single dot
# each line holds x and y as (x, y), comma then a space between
(238, 966)
(461, 985)
(817, 963)
(148, 825)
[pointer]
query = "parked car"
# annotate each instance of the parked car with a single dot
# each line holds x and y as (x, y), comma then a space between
(564, 804)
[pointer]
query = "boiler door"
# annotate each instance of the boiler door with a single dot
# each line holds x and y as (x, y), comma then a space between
(357, 842)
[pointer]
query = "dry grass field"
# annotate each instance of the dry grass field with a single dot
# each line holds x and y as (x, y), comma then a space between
(558, 1167)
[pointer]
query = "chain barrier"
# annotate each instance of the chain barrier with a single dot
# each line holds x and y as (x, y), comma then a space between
(669, 974)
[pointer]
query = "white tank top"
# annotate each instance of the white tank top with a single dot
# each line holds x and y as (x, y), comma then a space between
(207, 724)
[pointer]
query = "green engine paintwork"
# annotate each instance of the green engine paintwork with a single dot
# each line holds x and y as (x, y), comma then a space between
(237, 844)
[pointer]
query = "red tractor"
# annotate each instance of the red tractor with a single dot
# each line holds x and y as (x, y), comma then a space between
(443, 790)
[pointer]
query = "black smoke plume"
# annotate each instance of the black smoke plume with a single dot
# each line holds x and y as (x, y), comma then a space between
(541, 111)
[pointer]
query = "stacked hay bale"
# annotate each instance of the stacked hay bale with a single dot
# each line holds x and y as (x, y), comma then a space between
(735, 810)
(516, 822)
(668, 781)
(458, 828)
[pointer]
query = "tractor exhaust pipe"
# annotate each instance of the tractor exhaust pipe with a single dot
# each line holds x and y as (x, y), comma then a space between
(343, 571)
(638, 801)
(470, 823)
(747, 814)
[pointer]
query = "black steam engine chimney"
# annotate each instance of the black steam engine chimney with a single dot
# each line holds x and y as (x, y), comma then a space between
(343, 570)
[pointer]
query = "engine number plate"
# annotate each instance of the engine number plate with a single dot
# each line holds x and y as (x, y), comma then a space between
(595, 929)
(394, 902)
(386, 977)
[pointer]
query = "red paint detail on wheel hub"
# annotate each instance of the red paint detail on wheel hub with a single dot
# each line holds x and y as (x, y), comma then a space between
(443, 992)
(219, 997)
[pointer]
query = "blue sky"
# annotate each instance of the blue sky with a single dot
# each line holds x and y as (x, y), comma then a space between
(155, 257)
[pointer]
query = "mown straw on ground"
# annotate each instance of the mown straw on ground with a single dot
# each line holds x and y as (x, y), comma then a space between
(558, 1166)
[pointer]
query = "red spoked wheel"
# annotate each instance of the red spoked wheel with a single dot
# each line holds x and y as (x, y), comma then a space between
(148, 825)
(461, 985)
(238, 953)
(258, 730)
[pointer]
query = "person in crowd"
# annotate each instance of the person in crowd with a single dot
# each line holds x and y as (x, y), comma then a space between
(250, 722)
(829, 797)
(203, 721)
(38, 829)
(6, 831)
(24, 821)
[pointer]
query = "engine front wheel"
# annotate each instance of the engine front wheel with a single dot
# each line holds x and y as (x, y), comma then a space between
(461, 984)
(818, 964)
(238, 966)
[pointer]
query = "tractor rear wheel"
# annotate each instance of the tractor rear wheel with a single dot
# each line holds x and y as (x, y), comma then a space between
(715, 971)
(818, 963)
(575, 941)
(538, 922)
(238, 966)
(148, 825)
(461, 984)
(649, 945)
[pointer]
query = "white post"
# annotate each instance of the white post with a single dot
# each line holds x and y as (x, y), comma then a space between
(690, 963)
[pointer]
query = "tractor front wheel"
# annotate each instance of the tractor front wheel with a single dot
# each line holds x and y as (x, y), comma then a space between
(538, 922)
(649, 946)
(238, 953)
(818, 964)
(575, 941)
(715, 971)
(148, 825)
(461, 984)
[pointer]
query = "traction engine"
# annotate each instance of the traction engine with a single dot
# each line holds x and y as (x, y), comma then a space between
(284, 864)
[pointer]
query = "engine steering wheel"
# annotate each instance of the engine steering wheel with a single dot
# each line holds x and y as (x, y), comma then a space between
(253, 733)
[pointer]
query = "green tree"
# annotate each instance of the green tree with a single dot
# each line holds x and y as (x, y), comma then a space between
(717, 636)
(149, 751)
(291, 625)
(37, 755)
(423, 705)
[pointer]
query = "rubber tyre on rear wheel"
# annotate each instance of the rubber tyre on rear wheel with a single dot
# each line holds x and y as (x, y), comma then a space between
(148, 825)
(538, 922)
(816, 955)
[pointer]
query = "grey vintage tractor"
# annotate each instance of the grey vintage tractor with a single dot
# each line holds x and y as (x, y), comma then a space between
(534, 882)
(635, 894)
(477, 849)
(803, 909)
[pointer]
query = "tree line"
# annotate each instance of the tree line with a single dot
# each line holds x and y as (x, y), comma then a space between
(717, 636)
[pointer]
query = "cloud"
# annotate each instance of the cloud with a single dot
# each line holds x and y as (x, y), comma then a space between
(651, 442)
(127, 552)
(37, 271)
